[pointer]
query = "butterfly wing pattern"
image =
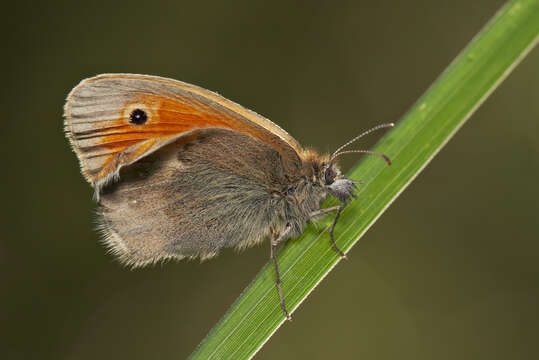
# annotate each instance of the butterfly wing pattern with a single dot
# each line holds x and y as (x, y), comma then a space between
(113, 120)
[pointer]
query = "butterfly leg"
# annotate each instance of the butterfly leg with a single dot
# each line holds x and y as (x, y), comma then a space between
(332, 228)
(274, 242)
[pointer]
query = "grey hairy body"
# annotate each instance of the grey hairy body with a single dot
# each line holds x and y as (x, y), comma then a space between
(210, 189)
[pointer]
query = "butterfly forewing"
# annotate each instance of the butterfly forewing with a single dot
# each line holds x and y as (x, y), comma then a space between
(114, 120)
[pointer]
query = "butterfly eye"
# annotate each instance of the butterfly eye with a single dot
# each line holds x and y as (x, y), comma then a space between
(138, 117)
(329, 175)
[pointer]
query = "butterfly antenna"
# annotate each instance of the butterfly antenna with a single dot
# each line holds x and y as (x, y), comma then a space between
(368, 152)
(338, 151)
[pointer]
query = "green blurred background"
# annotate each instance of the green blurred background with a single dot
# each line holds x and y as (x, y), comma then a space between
(450, 271)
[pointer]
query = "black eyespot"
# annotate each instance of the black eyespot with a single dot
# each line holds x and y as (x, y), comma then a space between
(329, 175)
(138, 117)
(291, 190)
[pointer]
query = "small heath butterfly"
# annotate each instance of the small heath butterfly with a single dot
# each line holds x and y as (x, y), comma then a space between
(180, 171)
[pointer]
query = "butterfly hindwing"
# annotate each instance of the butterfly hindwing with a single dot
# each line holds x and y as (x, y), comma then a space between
(193, 197)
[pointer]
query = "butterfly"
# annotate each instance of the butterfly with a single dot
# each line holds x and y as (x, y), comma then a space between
(181, 172)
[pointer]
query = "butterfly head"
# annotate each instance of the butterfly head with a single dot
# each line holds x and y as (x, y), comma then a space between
(336, 184)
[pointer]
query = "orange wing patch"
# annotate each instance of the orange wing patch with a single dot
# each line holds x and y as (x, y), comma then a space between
(104, 133)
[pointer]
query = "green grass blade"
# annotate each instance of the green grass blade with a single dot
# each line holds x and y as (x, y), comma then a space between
(416, 139)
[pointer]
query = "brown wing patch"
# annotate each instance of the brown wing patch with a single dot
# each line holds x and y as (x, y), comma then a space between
(192, 198)
(99, 121)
